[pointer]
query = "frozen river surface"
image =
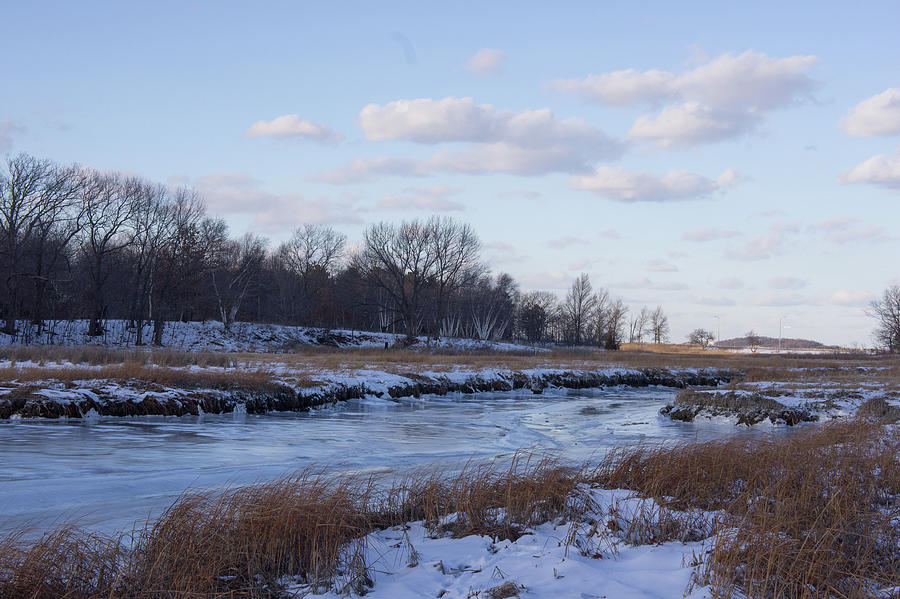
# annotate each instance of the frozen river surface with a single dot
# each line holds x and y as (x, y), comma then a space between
(106, 473)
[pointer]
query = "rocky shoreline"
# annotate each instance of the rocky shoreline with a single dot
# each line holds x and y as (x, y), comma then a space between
(51, 399)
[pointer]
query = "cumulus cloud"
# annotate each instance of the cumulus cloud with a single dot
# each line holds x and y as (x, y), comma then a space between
(567, 241)
(363, 169)
(881, 170)
(434, 198)
(872, 233)
(632, 186)
(714, 300)
(622, 88)
(9, 129)
(703, 235)
(500, 252)
(692, 123)
(766, 246)
(531, 142)
(239, 193)
(292, 126)
(721, 99)
(659, 265)
(847, 297)
(878, 115)
(780, 299)
(487, 61)
(730, 283)
(646, 283)
(787, 283)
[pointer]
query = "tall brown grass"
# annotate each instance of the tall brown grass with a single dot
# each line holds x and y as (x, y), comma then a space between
(811, 515)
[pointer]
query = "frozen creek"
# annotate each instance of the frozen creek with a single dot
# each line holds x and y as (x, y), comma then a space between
(107, 473)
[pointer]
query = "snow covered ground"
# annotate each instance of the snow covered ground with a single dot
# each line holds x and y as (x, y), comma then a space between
(577, 560)
(241, 337)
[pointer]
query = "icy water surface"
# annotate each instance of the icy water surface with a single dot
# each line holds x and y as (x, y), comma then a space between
(108, 472)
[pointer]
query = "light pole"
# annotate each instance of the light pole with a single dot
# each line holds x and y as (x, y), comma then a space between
(780, 326)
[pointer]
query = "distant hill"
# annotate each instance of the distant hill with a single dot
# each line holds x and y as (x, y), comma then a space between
(772, 342)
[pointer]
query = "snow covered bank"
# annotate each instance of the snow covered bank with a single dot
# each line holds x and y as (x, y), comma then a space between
(787, 402)
(125, 397)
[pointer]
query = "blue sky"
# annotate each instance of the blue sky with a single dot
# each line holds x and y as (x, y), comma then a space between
(740, 161)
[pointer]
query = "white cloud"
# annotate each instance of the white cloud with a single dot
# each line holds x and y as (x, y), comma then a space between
(291, 125)
(841, 223)
(764, 247)
(750, 80)
(646, 283)
(721, 99)
(878, 115)
(714, 300)
(730, 283)
(566, 241)
(239, 193)
(881, 170)
(781, 299)
(622, 88)
(872, 233)
(787, 283)
(432, 198)
(8, 130)
(461, 120)
(526, 194)
(363, 169)
(846, 297)
(531, 142)
(487, 61)
(633, 186)
(659, 265)
(702, 235)
(692, 123)
(500, 252)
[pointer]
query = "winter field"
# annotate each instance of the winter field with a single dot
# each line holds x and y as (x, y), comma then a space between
(284, 462)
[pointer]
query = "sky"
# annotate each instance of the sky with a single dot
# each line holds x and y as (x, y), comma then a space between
(737, 164)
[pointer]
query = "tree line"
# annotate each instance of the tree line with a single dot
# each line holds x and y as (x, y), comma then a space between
(77, 243)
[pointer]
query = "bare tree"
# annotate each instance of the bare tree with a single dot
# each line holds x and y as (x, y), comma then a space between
(310, 256)
(536, 310)
(701, 337)
(638, 325)
(151, 228)
(614, 323)
(400, 261)
(753, 340)
(886, 311)
(659, 325)
(234, 267)
(34, 200)
(579, 308)
(456, 250)
(182, 260)
(109, 202)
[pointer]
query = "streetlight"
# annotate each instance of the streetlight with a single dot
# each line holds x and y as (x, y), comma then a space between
(780, 326)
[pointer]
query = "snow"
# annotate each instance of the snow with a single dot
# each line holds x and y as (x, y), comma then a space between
(241, 337)
(408, 562)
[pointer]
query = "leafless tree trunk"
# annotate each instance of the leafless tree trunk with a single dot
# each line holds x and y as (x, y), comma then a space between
(659, 325)
(579, 308)
(638, 325)
(109, 203)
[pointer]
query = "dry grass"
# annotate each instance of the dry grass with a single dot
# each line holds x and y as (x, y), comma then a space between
(310, 528)
(149, 375)
(813, 515)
